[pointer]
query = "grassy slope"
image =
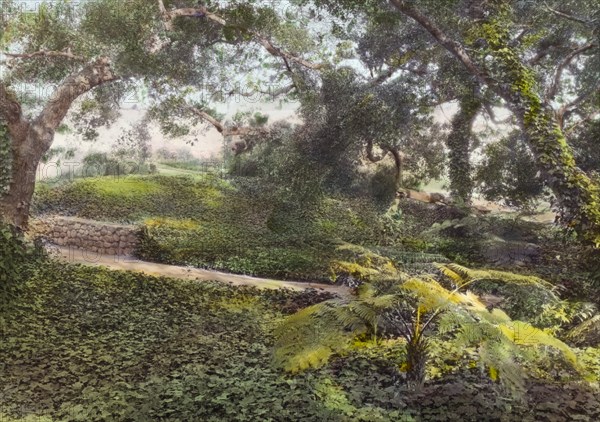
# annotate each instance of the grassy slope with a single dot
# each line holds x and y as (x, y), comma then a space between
(206, 222)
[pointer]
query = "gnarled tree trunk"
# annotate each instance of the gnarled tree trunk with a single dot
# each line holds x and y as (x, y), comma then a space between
(31, 139)
(14, 205)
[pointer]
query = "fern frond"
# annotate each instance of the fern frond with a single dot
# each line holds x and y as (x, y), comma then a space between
(431, 294)
(588, 328)
(454, 272)
(498, 356)
(312, 355)
(347, 319)
(310, 339)
(525, 334)
(463, 276)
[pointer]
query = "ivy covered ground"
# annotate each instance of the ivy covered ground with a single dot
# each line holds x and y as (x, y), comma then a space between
(86, 344)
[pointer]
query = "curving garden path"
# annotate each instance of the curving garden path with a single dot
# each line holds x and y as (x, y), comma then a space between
(128, 263)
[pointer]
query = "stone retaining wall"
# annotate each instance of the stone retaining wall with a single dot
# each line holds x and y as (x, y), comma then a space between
(101, 237)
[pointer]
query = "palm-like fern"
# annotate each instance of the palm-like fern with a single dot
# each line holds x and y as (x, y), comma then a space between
(309, 337)
(463, 277)
(587, 331)
(313, 335)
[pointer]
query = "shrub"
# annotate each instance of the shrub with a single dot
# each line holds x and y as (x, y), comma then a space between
(383, 187)
(143, 348)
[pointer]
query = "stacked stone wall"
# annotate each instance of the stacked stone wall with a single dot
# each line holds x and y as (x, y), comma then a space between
(91, 235)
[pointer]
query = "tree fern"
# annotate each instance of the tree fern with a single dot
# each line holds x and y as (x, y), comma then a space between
(313, 335)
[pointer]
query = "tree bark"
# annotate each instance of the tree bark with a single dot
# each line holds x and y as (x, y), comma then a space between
(30, 140)
(15, 204)
(398, 162)
(396, 155)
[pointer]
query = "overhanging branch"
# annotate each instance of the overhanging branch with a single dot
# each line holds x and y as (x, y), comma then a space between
(222, 129)
(46, 54)
(570, 17)
(553, 90)
(406, 7)
(208, 118)
(94, 74)
(201, 11)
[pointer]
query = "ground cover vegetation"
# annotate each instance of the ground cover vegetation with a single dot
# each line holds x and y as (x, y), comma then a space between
(82, 343)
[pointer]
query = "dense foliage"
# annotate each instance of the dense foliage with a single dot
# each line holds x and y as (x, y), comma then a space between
(18, 258)
(316, 200)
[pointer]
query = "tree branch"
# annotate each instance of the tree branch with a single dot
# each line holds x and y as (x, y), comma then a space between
(92, 75)
(581, 98)
(46, 54)
(490, 111)
(568, 109)
(553, 90)
(277, 52)
(169, 16)
(272, 93)
(396, 155)
(569, 16)
(519, 37)
(201, 11)
(210, 119)
(371, 156)
(222, 129)
(377, 80)
(406, 7)
(583, 120)
(398, 162)
(542, 53)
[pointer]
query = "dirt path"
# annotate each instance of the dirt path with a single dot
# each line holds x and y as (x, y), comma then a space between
(127, 263)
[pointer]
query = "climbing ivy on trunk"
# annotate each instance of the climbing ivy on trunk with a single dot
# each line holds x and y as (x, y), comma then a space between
(459, 145)
(5, 159)
(494, 60)
(578, 195)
